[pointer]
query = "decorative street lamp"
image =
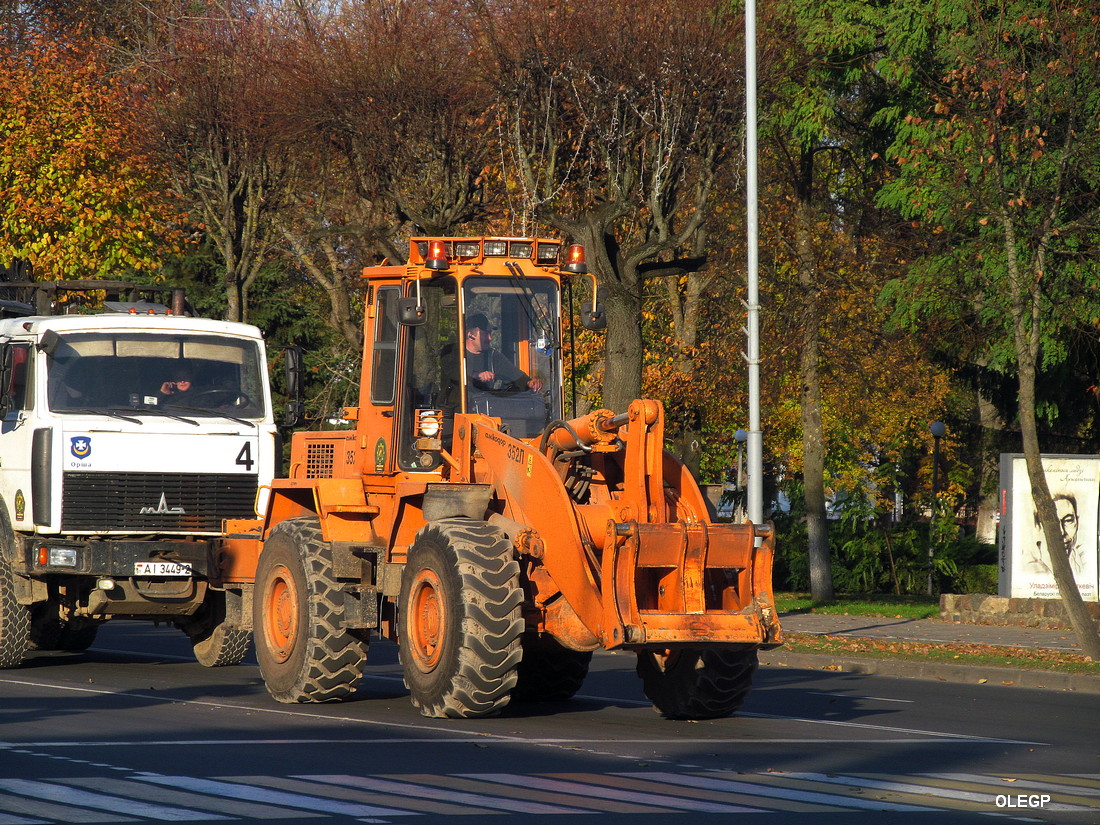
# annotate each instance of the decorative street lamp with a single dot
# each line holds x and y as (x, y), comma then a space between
(939, 430)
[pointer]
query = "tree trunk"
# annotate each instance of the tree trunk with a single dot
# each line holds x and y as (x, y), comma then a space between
(813, 435)
(622, 381)
(1026, 319)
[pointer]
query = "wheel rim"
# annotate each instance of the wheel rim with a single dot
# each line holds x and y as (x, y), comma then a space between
(427, 620)
(281, 612)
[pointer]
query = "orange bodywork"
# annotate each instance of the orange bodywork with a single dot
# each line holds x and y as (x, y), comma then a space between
(615, 544)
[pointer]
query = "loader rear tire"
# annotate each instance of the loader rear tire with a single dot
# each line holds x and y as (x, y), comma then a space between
(706, 683)
(548, 671)
(305, 655)
(460, 620)
(15, 620)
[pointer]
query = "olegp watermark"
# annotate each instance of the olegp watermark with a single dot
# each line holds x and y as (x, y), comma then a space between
(1022, 800)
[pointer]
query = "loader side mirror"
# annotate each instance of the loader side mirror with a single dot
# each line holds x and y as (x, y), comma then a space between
(593, 318)
(411, 312)
(295, 379)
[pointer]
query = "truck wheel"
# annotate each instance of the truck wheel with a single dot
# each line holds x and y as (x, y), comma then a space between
(51, 632)
(549, 672)
(697, 684)
(214, 642)
(304, 653)
(15, 621)
(460, 620)
(77, 634)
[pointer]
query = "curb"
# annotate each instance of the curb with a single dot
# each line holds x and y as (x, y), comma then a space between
(934, 671)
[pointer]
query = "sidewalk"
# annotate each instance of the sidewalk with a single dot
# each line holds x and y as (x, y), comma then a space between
(933, 631)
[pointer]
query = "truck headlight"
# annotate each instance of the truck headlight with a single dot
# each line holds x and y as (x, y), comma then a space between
(57, 556)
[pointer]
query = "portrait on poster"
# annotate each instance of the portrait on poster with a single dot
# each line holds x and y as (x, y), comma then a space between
(1074, 484)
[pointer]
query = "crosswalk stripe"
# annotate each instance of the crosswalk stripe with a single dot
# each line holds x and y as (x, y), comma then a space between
(290, 800)
(1015, 784)
(772, 792)
(461, 783)
(87, 799)
(39, 809)
(981, 798)
(19, 820)
(423, 806)
(247, 810)
(406, 789)
(581, 789)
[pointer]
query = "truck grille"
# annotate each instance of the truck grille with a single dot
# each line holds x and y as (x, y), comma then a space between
(172, 502)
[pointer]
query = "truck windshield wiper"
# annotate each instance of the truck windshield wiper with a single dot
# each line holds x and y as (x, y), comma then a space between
(159, 411)
(212, 414)
(104, 411)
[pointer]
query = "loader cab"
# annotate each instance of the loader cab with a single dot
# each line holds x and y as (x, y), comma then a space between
(486, 340)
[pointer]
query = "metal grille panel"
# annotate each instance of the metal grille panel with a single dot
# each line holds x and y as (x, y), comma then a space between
(158, 502)
(320, 458)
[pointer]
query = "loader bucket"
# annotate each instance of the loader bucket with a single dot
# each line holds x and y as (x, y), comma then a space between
(688, 582)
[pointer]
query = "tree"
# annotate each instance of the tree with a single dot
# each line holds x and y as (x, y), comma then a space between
(216, 108)
(613, 118)
(391, 88)
(821, 94)
(1005, 160)
(77, 199)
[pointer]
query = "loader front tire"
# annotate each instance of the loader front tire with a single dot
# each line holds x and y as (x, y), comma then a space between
(305, 655)
(548, 671)
(705, 683)
(460, 620)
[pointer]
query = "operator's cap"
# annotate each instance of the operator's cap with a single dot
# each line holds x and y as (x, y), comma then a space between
(478, 321)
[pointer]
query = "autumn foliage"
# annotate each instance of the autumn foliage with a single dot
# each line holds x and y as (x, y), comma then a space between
(76, 200)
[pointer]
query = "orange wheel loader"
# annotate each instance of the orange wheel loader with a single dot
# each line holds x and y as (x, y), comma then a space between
(496, 542)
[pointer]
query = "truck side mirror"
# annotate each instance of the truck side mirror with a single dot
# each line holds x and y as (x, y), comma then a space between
(411, 312)
(593, 318)
(295, 379)
(49, 343)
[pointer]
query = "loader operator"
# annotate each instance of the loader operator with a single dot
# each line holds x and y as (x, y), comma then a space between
(487, 369)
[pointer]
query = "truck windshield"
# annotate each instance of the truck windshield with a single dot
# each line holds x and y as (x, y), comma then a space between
(139, 372)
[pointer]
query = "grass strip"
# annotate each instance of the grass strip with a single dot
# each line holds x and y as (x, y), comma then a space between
(959, 654)
(901, 607)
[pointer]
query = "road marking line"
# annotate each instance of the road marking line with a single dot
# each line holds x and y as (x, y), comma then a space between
(114, 804)
(253, 794)
(772, 792)
(601, 791)
(957, 736)
(390, 786)
(985, 798)
(492, 736)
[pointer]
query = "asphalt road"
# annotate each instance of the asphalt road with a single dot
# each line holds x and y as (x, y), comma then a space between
(135, 731)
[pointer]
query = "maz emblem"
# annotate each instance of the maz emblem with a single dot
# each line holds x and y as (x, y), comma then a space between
(162, 508)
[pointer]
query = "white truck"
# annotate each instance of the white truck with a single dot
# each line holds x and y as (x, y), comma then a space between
(126, 438)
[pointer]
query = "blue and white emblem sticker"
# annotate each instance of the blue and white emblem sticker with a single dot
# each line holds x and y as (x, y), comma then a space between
(81, 446)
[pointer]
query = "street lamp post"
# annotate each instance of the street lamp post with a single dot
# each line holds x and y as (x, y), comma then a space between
(938, 429)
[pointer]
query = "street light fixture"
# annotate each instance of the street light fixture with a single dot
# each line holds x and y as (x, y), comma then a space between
(938, 430)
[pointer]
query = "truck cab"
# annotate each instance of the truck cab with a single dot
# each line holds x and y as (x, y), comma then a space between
(126, 439)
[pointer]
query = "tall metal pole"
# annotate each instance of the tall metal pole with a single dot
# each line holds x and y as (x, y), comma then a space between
(752, 304)
(939, 429)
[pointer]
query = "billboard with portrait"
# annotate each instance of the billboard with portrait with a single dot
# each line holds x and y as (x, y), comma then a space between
(1074, 482)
